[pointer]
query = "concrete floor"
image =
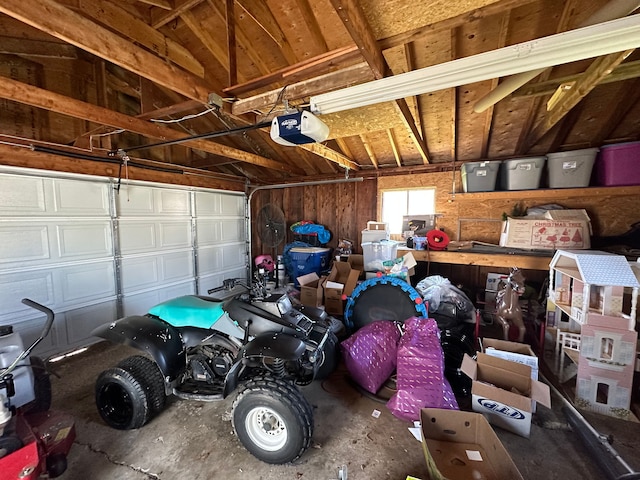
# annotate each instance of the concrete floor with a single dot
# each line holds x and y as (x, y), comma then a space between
(195, 440)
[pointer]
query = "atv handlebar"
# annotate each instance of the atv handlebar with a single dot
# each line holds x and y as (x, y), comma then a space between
(228, 284)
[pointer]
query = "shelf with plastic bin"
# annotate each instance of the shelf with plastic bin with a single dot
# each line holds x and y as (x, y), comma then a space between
(546, 193)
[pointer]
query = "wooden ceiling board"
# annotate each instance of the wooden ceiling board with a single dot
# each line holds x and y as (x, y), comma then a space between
(393, 17)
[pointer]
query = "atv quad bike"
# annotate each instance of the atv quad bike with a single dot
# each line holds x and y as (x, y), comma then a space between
(205, 348)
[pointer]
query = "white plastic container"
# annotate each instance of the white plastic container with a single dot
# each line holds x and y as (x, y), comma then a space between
(521, 173)
(571, 169)
(10, 347)
(374, 235)
(375, 253)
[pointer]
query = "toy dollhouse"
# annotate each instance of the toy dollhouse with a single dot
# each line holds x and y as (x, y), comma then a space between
(588, 303)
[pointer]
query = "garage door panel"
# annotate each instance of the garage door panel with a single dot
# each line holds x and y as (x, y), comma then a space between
(209, 231)
(139, 237)
(22, 244)
(207, 282)
(21, 195)
(78, 241)
(144, 272)
(232, 205)
(208, 203)
(210, 260)
(85, 283)
(137, 200)
(25, 243)
(80, 198)
(139, 304)
(233, 256)
(175, 234)
(36, 285)
(79, 323)
(233, 230)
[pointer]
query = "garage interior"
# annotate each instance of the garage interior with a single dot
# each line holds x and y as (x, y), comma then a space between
(137, 154)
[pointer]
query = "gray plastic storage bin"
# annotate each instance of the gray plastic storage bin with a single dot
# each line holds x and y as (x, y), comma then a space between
(480, 176)
(521, 173)
(571, 169)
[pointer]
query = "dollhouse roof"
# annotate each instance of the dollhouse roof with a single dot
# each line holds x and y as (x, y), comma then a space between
(596, 267)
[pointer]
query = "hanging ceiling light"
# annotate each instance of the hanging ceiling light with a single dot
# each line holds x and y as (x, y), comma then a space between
(588, 42)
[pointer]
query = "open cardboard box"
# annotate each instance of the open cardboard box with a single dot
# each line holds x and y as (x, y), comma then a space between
(311, 289)
(341, 281)
(462, 445)
(504, 391)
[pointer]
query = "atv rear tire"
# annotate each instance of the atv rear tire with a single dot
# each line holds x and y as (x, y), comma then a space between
(149, 375)
(273, 420)
(121, 399)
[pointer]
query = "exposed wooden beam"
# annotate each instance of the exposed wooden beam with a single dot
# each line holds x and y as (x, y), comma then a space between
(262, 16)
(354, 20)
(488, 113)
(331, 155)
(370, 151)
(231, 42)
(38, 97)
(159, 19)
(121, 21)
(356, 24)
(297, 72)
(67, 25)
(599, 68)
(394, 147)
(344, 147)
(219, 53)
(624, 71)
(410, 125)
(164, 4)
(331, 81)
(37, 48)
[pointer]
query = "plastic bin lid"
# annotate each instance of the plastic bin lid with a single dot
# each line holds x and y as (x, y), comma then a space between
(309, 249)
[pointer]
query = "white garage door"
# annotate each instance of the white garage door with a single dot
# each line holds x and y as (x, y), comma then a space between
(93, 254)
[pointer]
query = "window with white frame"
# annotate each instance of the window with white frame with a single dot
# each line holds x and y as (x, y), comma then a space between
(398, 203)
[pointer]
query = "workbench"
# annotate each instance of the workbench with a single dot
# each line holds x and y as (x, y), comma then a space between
(523, 261)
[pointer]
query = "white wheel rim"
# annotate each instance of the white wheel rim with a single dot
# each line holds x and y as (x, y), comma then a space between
(266, 429)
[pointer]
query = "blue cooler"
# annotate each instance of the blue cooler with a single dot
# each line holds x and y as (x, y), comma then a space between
(306, 260)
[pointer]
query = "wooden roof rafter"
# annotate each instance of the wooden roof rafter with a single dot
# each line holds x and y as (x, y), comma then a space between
(353, 19)
(599, 68)
(67, 25)
(40, 98)
(118, 19)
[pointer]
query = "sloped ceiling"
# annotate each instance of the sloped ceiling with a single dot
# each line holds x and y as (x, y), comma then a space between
(100, 76)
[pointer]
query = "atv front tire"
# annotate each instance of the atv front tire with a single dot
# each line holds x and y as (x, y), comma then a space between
(121, 399)
(273, 420)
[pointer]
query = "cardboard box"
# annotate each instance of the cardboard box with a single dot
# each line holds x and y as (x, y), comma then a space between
(357, 263)
(462, 445)
(372, 225)
(341, 281)
(512, 351)
(570, 229)
(504, 392)
(311, 289)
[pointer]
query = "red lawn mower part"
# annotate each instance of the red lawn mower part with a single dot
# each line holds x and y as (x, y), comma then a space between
(437, 240)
